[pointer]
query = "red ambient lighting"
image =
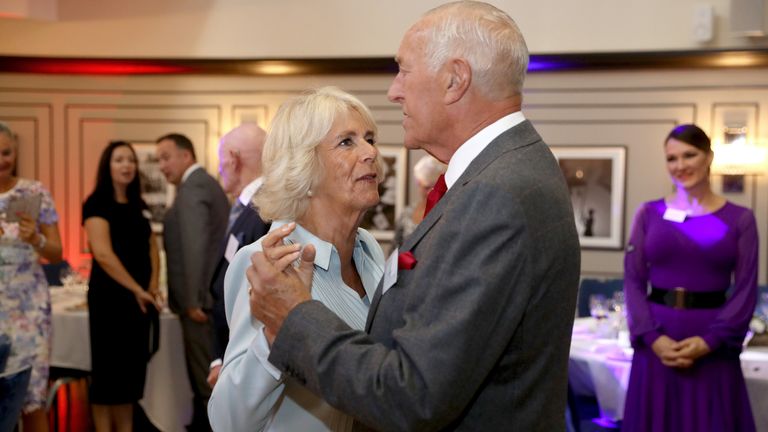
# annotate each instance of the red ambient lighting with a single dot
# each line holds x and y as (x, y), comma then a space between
(95, 67)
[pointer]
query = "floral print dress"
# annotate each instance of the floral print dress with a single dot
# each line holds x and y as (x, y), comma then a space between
(25, 306)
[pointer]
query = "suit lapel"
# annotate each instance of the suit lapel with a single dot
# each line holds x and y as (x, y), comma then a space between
(518, 136)
(410, 242)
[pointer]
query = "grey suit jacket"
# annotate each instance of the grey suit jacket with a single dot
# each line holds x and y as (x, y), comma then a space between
(192, 230)
(476, 336)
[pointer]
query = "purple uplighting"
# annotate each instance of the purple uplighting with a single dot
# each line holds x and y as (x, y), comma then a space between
(706, 231)
(543, 65)
(540, 63)
(605, 422)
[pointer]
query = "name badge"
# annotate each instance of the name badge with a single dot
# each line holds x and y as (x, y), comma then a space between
(232, 245)
(390, 272)
(675, 215)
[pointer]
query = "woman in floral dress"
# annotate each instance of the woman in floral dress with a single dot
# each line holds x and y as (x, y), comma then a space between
(25, 308)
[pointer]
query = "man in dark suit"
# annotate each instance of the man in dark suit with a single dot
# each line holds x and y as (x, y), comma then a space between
(196, 220)
(470, 328)
(240, 171)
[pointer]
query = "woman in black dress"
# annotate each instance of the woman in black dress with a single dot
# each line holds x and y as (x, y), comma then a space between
(123, 287)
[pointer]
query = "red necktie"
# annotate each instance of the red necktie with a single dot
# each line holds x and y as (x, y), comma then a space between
(437, 192)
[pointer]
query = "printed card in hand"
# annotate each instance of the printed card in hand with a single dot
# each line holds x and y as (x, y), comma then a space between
(27, 204)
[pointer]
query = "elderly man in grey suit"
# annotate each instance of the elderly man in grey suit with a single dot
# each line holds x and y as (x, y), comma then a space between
(192, 226)
(471, 330)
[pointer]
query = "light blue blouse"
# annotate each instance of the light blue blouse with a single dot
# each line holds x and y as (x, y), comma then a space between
(251, 394)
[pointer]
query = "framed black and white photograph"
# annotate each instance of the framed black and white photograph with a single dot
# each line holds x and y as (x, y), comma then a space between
(381, 219)
(155, 189)
(596, 177)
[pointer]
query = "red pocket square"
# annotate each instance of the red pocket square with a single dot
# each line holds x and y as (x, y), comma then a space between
(406, 261)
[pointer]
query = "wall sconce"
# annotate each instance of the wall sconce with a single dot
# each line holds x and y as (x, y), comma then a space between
(735, 158)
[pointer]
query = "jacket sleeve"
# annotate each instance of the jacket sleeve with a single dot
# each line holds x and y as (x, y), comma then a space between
(458, 317)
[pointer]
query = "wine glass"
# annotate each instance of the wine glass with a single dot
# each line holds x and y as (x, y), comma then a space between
(618, 301)
(598, 306)
(67, 276)
(70, 277)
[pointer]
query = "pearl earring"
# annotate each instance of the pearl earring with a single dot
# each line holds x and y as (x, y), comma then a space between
(309, 193)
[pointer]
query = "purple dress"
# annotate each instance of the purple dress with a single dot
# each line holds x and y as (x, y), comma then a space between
(704, 253)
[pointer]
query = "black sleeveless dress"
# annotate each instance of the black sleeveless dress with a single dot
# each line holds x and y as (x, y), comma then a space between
(120, 332)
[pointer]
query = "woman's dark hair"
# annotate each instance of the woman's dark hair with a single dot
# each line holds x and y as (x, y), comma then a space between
(691, 134)
(104, 188)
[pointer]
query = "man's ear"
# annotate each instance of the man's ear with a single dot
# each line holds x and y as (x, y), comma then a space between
(235, 158)
(187, 155)
(459, 78)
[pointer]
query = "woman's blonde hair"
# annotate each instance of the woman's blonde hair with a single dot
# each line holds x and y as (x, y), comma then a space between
(5, 129)
(290, 161)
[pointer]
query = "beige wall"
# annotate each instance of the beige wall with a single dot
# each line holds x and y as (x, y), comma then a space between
(64, 122)
(343, 28)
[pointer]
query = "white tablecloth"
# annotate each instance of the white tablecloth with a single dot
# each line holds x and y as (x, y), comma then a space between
(600, 368)
(167, 395)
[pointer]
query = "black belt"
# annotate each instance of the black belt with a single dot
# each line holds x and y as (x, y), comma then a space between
(680, 298)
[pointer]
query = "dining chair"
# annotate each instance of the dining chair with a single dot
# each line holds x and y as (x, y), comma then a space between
(13, 390)
(590, 286)
(67, 388)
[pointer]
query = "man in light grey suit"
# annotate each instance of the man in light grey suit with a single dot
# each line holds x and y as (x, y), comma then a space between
(192, 226)
(472, 331)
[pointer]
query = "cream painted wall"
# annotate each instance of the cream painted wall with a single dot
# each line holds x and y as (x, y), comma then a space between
(343, 28)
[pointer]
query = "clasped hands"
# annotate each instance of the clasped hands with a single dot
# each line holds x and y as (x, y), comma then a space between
(679, 354)
(276, 284)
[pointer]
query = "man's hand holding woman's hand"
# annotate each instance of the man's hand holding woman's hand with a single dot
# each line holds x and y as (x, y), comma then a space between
(277, 286)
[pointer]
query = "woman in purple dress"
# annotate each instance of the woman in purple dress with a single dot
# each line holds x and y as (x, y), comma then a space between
(698, 254)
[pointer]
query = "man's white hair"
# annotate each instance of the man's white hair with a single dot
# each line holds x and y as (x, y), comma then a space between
(486, 37)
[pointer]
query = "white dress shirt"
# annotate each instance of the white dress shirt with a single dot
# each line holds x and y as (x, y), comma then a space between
(249, 191)
(470, 149)
(188, 172)
(251, 394)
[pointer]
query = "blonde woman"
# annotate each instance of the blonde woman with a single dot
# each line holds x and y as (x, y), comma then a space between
(321, 174)
(25, 306)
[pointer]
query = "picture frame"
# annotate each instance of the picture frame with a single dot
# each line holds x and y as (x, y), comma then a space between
(596, 178)
(382, 218)
(155, 189)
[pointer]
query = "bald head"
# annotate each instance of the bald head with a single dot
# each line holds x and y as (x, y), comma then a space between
(240, 157)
